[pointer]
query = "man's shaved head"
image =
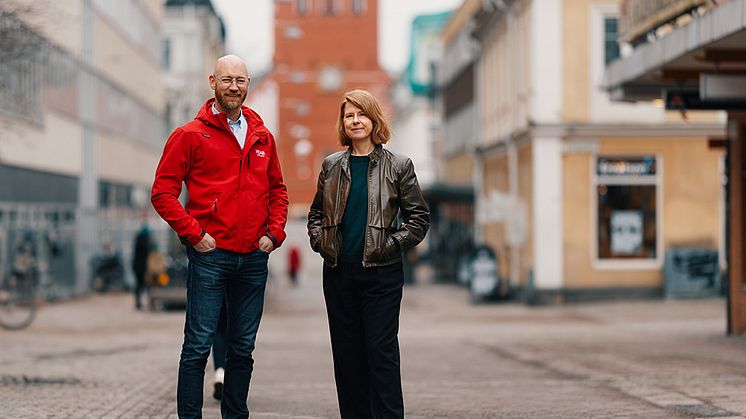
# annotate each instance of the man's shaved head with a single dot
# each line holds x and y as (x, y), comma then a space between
(230, 63)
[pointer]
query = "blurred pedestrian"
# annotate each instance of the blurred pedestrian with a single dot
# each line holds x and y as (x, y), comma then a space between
(353, 224)
(235, 216)
(293, 264)
(140, 254)
(218, 355)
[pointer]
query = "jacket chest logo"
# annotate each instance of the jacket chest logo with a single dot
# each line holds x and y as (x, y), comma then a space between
(260, 153)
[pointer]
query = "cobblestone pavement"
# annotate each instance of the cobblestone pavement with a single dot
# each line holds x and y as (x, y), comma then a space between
(96, 357)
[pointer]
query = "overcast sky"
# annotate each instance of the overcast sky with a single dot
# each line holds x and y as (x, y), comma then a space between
(249, 25)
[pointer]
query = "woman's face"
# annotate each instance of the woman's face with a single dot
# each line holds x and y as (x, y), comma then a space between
(357, 125)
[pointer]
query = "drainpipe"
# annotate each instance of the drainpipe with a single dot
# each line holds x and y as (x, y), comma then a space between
(87, 224)
(513, 218)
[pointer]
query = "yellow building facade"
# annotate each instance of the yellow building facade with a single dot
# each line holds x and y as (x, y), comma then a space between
(579, 197)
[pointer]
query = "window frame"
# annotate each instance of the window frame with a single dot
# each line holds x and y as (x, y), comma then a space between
(642, 264)
(600, 107)
(605, 18)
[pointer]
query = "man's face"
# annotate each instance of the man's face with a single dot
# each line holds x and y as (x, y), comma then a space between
(231, 85)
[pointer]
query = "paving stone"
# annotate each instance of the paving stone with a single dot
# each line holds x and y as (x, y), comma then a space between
(96, 357)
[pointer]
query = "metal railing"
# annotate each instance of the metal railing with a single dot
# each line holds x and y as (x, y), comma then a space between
(49, 237)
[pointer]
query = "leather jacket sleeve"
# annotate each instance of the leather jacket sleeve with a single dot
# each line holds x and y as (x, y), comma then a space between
(316, 212)
(414, 210)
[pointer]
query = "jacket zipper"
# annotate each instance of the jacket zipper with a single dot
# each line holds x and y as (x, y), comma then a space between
(367, 215)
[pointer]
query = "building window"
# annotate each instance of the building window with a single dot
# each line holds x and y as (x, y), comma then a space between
(134, 20)
(114, 195)
(167, 118)
(166, 51)
(23, 54)
(611, 45)
(301, 7)
(330, 7)
(358, 7)
(292, 32)
(627, 208)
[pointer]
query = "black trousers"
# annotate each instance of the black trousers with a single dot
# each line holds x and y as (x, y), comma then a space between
(363, 306)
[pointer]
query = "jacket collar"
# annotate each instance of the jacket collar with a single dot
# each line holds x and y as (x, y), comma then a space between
(374, 155)
(255, 123)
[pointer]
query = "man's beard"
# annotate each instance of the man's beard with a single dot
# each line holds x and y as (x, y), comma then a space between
(235, 103)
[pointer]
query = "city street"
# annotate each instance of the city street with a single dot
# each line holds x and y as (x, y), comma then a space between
(96, 357)
(582, 158)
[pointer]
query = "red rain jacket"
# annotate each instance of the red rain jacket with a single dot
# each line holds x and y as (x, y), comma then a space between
(237, 195)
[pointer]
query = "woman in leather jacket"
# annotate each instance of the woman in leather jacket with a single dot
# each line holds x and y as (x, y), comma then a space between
(368, 208)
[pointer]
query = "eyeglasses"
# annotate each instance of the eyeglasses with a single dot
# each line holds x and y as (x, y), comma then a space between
(240, 81)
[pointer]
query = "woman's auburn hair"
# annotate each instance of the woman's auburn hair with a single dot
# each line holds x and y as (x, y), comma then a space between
(364, 100)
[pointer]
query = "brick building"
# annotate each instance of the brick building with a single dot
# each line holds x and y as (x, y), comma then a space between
(322, 49)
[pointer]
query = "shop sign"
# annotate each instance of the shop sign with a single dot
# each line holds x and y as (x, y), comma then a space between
(635, 166)
(638, 17)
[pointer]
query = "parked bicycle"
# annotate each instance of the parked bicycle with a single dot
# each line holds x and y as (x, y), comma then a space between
(18, 289)
(107, 271)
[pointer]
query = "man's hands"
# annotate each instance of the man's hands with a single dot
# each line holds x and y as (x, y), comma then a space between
(266, 245)
(206, 244)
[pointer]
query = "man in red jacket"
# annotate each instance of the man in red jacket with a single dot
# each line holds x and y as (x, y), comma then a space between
(234, 217)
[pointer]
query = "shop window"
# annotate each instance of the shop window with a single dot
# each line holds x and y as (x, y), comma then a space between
(627, 208)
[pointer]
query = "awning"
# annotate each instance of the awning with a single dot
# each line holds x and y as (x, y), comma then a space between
(712, 44)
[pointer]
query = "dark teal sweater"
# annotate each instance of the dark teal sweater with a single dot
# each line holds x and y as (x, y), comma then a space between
(356, 211)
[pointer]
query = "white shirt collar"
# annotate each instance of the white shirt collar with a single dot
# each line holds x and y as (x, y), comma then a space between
(238, 127)
(241, 117)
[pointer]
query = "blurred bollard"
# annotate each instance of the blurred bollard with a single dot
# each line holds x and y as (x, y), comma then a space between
(484, 282)
(691, 272)
(528, 294)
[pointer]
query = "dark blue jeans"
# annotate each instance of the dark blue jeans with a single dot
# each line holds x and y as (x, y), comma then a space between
(219, 344)
(240, 278)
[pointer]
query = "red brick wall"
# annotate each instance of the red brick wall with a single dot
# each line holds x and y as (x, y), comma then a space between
(344, 41)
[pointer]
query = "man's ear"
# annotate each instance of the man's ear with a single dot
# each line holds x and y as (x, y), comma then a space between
(212, 80)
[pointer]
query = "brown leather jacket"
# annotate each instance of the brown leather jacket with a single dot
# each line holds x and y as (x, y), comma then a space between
(392, 187)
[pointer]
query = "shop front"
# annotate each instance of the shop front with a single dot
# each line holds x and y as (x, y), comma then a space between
(645, 197)
(690, 56)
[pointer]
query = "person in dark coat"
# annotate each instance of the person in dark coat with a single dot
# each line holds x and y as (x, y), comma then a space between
(140, 253)
(353, 224)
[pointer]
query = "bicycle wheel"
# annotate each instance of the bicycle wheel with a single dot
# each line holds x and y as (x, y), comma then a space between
(17, 302)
